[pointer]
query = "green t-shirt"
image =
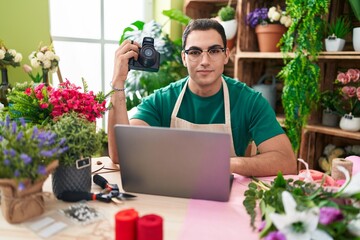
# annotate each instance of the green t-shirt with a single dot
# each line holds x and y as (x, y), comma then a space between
(252, 117)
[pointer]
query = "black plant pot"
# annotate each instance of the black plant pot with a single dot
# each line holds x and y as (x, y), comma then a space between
(71, 178)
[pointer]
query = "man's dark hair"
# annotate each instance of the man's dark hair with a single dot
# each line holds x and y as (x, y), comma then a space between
(203, 24)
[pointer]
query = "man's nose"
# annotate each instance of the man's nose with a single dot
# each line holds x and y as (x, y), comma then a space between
(205, 57)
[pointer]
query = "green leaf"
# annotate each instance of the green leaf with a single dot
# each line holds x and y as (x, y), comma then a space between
(177, 15)
(137, 25)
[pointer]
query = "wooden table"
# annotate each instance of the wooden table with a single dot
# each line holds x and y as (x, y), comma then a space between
(183, 218)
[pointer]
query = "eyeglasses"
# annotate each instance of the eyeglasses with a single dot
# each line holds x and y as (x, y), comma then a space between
(196, 54)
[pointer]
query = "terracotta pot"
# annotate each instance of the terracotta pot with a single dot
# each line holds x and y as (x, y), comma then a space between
(269, 36)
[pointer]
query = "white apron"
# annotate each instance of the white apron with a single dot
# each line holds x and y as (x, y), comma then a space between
(225, 128)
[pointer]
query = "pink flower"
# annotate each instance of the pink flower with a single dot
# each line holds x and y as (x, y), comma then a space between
(354, 74)
(349, 91)
(343, 78)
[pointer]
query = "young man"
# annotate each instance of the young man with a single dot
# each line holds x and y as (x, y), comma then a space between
(207, 100)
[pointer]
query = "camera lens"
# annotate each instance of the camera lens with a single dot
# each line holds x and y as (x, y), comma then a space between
(147, 56)
(148, 52)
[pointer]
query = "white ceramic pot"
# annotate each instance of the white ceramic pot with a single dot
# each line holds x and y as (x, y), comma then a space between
(356, 39)
(334, 45)
(230, 28)
(350, 123)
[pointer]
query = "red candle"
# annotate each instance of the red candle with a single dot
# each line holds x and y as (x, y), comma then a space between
(150, 227)
(125, 224)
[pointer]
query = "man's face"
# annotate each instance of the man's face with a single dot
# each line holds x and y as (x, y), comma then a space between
(205, 68)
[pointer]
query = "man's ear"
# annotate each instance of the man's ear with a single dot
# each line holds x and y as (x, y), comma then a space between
(227, 53)
(183, 58)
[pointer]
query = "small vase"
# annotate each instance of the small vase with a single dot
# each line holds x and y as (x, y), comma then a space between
(269, 36)
(71, 178)
(4, 86)
(356, 39)
(334, 45)
(45, 77)
(350, 123)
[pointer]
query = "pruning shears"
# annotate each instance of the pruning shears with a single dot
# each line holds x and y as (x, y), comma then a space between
(111, 189)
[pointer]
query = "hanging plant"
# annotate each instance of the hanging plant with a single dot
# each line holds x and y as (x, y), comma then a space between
(301, 73)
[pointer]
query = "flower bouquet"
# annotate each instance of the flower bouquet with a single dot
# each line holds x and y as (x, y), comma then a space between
(45, 58)
(301, 209)
(9, 57)
(40, 104)
(27, 157)
(270, 24)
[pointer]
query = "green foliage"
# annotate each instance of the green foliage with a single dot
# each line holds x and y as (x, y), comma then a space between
(340, 28)
(227, 13)
(82, 139)
(355, 6)
(329, 100)
(301, 73)
(140, 83)
(28, 107)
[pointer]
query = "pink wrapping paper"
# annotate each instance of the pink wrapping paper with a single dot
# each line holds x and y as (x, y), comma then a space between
(356, 164)
(212, 220)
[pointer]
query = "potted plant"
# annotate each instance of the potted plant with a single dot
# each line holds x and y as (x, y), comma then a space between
(270, 24)
(329, 102)
(337, 31)
(349, 106)
(82, 140)
(71, 114)
(226, 17)
(28, 155)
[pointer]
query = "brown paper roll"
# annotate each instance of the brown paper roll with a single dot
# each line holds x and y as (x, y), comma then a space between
(335, 172)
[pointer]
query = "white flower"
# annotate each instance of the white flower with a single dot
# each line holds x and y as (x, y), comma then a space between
(1, 106)
(49, 55)
(34, 62)
(354, 226)
(351, 186)
(46, 63)
(40, 56)
(18, 57)
(298, 225)
(12, 52)
(2, 54)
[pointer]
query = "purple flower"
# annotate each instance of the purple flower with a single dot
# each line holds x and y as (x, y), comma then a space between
(258, 16)
(14, 126)
(22, 121)
(26, 158)
(6, 162)
(19, 136)
(1, 138)
(42, 170)
(12, 152)
(35, 132)
(48, 153)
(275, 235)
(7, 121)
(329, 215)
(17, 173)
(21, 186)
(262, 225)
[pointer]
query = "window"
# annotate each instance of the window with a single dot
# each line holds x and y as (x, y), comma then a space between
(85, 35)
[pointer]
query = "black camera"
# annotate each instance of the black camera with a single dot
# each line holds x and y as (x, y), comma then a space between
(149, 58)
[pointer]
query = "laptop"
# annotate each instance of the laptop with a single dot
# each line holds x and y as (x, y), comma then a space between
(174, 162)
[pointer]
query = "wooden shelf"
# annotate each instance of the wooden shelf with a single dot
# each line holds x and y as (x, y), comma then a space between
(332, 131)
(351, 55)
